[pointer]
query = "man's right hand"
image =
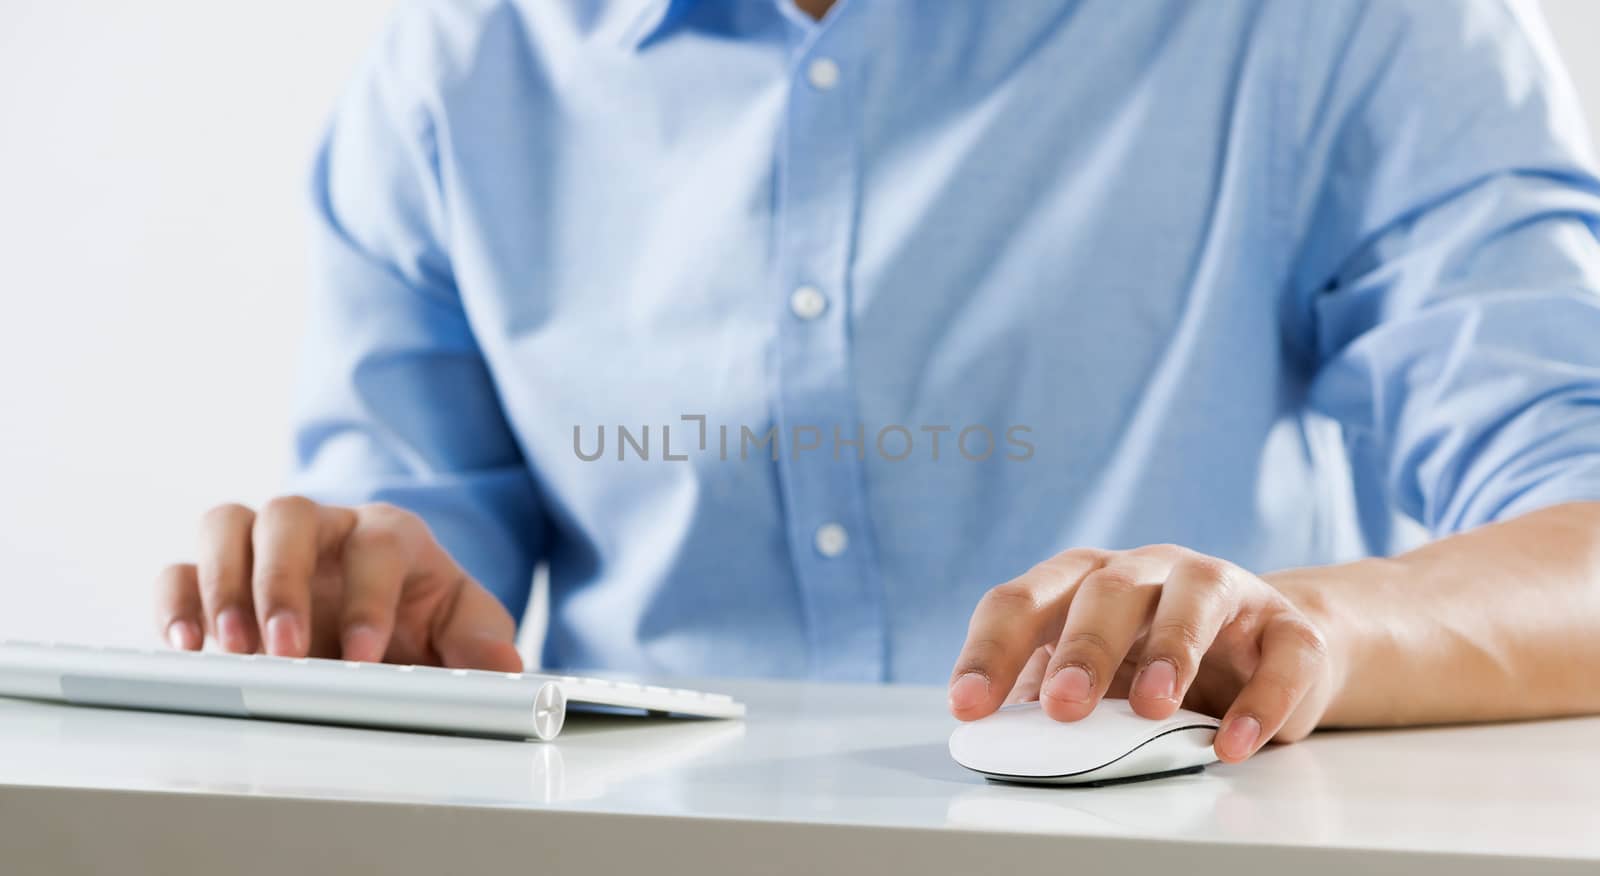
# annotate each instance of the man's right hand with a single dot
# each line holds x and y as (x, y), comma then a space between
(299, 579)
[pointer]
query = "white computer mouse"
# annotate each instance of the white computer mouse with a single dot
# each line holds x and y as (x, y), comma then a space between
(1020, 743)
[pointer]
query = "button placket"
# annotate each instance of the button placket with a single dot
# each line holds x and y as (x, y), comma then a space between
(824, 503)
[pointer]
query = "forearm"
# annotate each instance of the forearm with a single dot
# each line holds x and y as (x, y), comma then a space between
(1499, 623)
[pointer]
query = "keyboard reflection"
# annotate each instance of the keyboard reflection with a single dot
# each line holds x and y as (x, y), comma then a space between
(154, 751)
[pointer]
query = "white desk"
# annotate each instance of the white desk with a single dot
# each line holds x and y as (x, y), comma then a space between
(821, 778)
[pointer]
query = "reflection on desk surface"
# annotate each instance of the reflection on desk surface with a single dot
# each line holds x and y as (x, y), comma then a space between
(1463, 789)
(1181, 803)
(865, 755)
(128, 749)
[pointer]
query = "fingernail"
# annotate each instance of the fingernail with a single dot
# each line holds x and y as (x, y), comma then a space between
(1157, 681)
(1070, 684)
(362, 642)
(183, 635)
(231, 632)
(969, 691)
(1239, 737)
(283, 635)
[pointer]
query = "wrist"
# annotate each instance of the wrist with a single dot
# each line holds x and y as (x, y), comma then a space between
(1322, 594)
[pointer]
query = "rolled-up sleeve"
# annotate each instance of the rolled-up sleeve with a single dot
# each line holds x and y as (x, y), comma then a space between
(1449, 272)
(395, 402)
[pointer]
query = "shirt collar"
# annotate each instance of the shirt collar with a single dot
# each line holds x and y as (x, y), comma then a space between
(649, 19)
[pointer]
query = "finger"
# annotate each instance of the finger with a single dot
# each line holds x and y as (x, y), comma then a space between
(379, 554)
(286, 550)
(1026, 690)
(1197, 599)
(224, 577)
(476, 632)
(1010, 622)
(179, 612)
(1292, 654)
(1107, 613)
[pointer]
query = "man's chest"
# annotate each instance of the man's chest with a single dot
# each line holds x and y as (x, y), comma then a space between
(892, 205)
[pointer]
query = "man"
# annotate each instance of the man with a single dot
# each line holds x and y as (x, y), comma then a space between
(787, 334)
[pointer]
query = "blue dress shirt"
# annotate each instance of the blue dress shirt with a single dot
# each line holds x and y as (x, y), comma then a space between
(780, 342)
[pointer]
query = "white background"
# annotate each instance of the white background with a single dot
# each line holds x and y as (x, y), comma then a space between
(152, 261)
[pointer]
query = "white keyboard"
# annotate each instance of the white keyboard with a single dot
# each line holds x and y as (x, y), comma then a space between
(522, 705)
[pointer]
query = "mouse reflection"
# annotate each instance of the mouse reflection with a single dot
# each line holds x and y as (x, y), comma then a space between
(1173, 803)
(1241, 801)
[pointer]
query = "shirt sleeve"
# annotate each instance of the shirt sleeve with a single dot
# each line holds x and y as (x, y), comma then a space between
(1449, 270)
(395, 402)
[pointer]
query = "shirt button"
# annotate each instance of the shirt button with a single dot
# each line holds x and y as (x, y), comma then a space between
(832, 539)
(823, 74)
(808, 302)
